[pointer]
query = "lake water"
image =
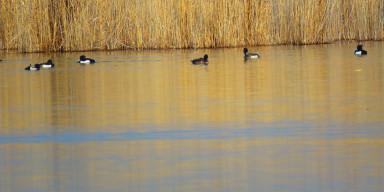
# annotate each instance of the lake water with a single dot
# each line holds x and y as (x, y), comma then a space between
(300, 118)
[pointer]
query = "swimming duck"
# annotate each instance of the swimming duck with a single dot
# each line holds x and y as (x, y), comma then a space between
(85, 60)
(201, 60)
(36, 67)
(250, 55)
(359, 50)
(48, 64)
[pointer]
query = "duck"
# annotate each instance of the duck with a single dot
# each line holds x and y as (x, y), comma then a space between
(201, 60)
(359, 50)
(48, 64)
(250, 55)
(36, 67)
(85, 60)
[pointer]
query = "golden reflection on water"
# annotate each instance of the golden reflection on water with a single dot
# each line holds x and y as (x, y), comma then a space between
(274, 88)
(300, 118)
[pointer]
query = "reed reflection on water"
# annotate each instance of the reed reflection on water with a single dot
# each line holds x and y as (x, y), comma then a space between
(300, 118)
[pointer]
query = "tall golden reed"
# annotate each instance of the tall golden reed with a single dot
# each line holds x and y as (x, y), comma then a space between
(76, 25)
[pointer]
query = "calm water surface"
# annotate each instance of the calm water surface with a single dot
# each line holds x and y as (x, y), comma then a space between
(300, 118)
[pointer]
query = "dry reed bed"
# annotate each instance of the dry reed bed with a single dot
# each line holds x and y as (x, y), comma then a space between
(76, 25)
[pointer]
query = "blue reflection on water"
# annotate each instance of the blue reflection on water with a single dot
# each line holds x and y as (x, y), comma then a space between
(369, 130)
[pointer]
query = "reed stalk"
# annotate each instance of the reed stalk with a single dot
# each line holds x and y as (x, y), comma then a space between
(77, 25)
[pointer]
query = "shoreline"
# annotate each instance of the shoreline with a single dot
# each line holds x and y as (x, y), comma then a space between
(159, 49)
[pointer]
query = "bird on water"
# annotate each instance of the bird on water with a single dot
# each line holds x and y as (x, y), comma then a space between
(359, 50)
(250, 55)
(201, 60)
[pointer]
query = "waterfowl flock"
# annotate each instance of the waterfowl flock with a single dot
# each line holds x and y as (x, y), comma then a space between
(200, 61)
(359, 52)
(37, 66)
(49, 64)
